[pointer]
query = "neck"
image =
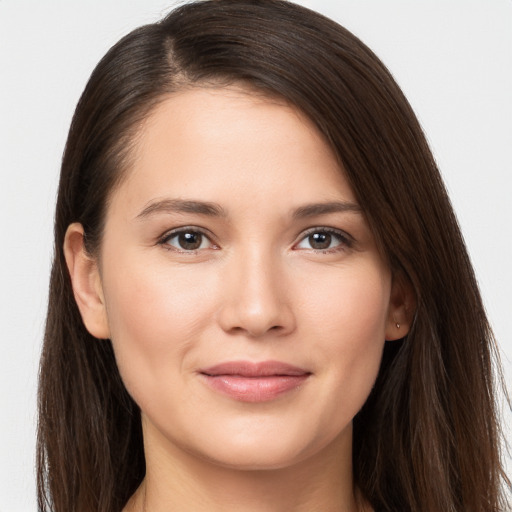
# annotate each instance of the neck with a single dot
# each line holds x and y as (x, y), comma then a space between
(177, 480)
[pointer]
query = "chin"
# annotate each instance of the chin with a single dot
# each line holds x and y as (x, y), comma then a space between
(272, 452)
(257, 459)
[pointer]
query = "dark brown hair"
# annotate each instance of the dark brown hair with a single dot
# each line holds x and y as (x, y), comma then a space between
(428, 437)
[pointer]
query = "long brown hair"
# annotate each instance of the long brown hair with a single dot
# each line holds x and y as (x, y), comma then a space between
(428, 437)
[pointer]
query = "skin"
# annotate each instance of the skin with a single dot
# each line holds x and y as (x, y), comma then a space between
(257, 288)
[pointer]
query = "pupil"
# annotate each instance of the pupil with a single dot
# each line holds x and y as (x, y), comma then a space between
(190, 241)
(320, 240)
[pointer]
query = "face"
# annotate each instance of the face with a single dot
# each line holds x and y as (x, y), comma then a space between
(244, 294)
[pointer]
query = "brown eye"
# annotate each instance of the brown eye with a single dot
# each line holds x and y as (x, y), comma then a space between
(187, 240)
(320, 241)
(325, 239)
(190, 241)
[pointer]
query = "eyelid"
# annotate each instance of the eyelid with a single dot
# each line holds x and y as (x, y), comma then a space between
(163, 239)
(346, 240)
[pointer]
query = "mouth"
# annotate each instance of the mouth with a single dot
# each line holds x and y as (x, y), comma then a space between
(254, 382)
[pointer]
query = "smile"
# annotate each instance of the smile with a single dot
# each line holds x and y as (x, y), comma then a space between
(254, 382)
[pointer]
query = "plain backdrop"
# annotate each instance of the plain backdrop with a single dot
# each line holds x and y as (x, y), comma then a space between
(453, 59)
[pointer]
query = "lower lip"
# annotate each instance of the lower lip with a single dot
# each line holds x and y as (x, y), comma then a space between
(254, 389)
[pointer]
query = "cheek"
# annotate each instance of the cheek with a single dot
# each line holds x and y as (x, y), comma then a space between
(347, 325)
(153, 316)
(352, 304)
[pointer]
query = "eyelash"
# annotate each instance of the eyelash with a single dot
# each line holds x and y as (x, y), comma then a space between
(164, 240)
(345, 240)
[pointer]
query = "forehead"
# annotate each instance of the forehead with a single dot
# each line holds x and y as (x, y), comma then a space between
(224, 141)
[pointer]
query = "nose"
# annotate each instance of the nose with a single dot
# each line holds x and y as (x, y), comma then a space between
(256, 299)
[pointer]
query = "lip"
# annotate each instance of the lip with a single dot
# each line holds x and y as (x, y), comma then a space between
(246, 381)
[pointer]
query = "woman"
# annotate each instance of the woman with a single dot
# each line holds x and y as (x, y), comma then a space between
(260, 298)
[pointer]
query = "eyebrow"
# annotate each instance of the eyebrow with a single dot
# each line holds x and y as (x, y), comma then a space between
(182, 206)
(315, 209)
(215, 210)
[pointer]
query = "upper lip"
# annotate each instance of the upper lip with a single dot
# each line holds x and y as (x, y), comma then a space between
(254, 369)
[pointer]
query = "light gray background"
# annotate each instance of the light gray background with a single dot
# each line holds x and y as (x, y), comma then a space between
(453, 59)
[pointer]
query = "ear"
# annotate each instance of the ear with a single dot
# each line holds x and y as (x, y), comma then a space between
(86, 282)
(402, 306)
